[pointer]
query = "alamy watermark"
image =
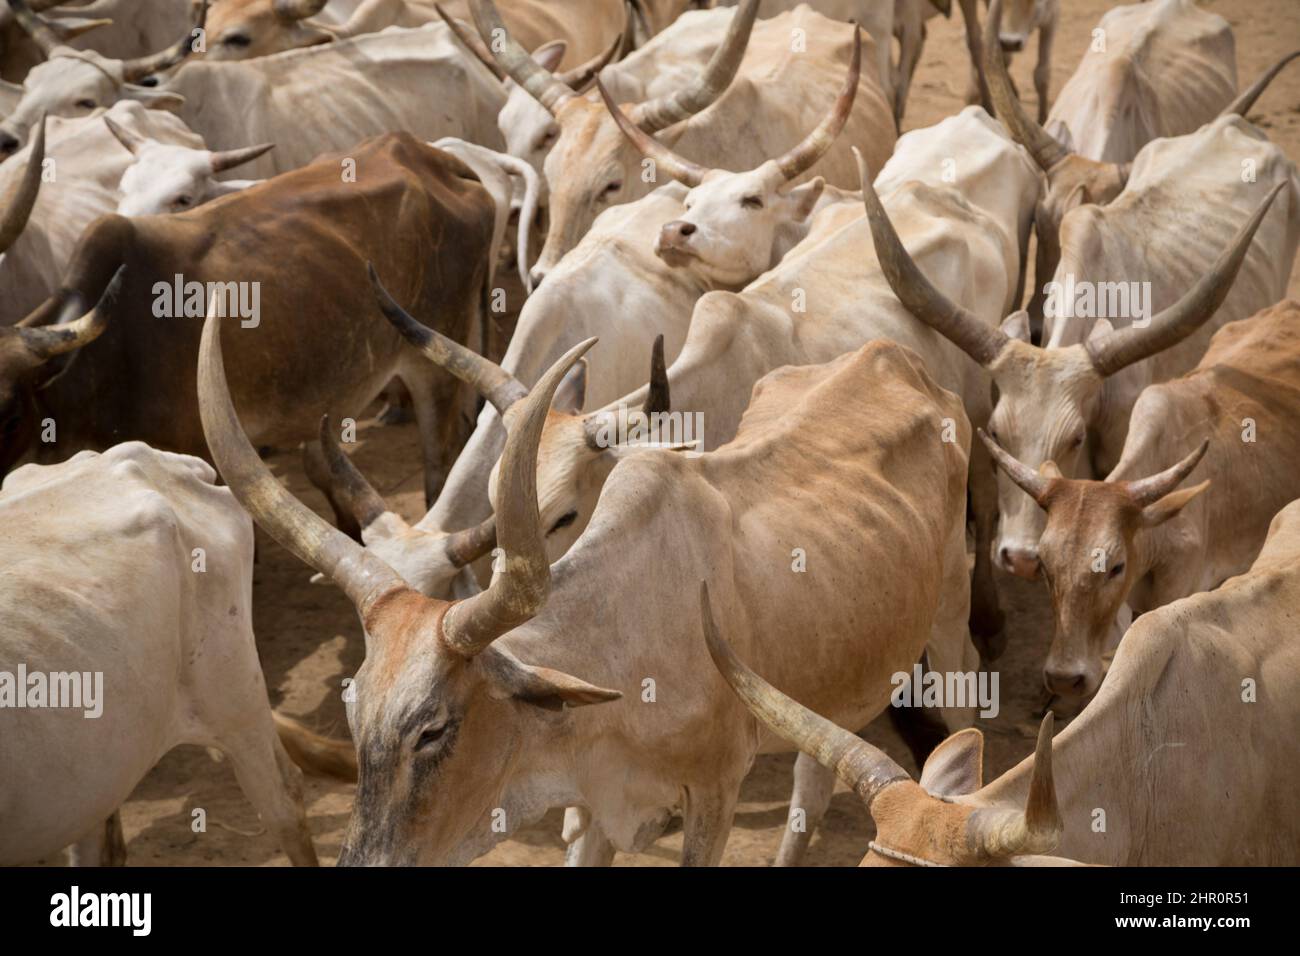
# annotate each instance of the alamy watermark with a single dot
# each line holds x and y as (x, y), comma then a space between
(1098, 300)
(651, 430)
(77, 690)
(923, 688)
(181, 299)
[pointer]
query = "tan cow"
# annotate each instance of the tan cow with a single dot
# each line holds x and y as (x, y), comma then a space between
(591, 165)
(1137, 538)
(452, 699)
(1188, 748)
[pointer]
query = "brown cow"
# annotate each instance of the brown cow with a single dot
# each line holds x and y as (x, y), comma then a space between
(285, 257)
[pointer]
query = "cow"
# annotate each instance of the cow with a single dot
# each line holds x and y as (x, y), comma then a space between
(1171, 243)
(591, 165)
(128, 584)
(73, 82)
(319, 99)
(289, 271)
(88, 165)
(1165, 69)
(438, 710)
(825, 298)
(1137, 538)
(20, 198)
(243, 29)
(1156, 749)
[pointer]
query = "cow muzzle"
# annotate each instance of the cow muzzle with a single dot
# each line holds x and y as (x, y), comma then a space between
(674, 243)
(1019, 560)
(1011, 44)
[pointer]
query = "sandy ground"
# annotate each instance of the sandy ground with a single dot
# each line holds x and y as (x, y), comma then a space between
(310, 639)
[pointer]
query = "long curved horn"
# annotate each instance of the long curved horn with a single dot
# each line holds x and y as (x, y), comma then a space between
(347, 483)
(470, 42)
(861, 766)
(18, 205)
(1122, 347)
(962, 327)
(297, 9)
(514, 59)
(1242, 104)
(518, 592)
(717, 75)
(75, 326)
(230, 158)
(579, 76)
(683, 170)
(814, 146)
(1145, 491)
(132, 142)
(465, 547)
(493, 382)
(1045, 149)
(1038, 828)
(358, 573)
(35, 26)
(1030, 481)
(657, 398)
(140, 67)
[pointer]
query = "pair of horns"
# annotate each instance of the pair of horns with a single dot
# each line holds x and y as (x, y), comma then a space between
(576, 79)
(792, 164)
(47, 38)
(1116, 350)
(221, 159)
(366, 505)
(549, 90)
(1142, 491)
(867, 770)
(468, 626)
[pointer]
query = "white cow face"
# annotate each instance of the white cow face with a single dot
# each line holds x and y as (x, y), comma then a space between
(1020, 18)
(167, 178)
(737, 225)
(71, 85)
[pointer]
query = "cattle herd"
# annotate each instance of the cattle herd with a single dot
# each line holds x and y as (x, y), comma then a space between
(736, 411)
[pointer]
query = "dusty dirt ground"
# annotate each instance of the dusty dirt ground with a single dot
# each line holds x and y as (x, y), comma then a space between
(310, 639)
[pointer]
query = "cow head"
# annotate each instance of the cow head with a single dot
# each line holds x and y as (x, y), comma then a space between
(1022, 18)
(242, 29)
(1091, 555)
(738, 225)
(78, 82)
(433, 563)
(1048, 400)
(577, 451)
(924, 824)
(167, 178)
(441, 719)
(591, 165)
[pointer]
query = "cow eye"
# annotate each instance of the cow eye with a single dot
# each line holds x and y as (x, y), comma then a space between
(752, 202)
(237, 39)
(86, 104)
(613, 187)
(1115, 572)
(430, 736)
(182, 201)
(565, 520)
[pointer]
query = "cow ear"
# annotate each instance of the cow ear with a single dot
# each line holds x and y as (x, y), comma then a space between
(508, 677)
(153, 99)
(1016, 326)
(572, 391)
(956, 766)
(549, 55)
(805, 197)
(1172, 503)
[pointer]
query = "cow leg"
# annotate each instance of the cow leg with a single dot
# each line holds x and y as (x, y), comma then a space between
(1043, 70)
(318, 473)
(102, 846)
(587, 843)
(987, 623)
(921, 729)
(706, 824)
(978, 91)
(273, 786)
(811, 797)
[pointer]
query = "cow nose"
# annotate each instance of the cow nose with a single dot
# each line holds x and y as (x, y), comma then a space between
(1012, 44)
(1022, 562)
(1064, 682)
(8, 144)
(676, 232)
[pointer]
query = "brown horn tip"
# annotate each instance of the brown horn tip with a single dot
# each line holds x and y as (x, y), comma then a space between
(657, 399)
(815, 145)
(18, 205)
(1030, 481)
(225, 159)
(348, 485)
(683, 170)
(1242, 104)
(1044, 148)
(1146, 491)
(140, 67)
(467, 546)
(470, 43)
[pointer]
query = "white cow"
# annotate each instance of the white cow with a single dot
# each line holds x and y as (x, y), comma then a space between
(133, 571)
